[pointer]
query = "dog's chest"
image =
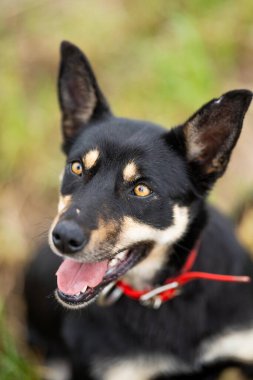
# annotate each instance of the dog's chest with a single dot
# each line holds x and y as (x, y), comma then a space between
(137, 367)
(233, 345)
(129, 340)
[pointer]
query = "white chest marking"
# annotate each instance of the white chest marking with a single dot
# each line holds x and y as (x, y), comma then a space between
(138, 368)
(231, 345)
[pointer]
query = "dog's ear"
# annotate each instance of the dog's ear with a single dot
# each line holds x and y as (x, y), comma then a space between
(209, 136)
(80, 97)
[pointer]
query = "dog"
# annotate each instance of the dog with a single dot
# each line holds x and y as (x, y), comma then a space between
(160, 283)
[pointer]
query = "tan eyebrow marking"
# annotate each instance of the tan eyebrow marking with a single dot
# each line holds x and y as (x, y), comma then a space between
(64, 203)
(130, 172)
(90, 158)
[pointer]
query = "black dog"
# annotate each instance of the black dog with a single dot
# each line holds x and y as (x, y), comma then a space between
(133, 219)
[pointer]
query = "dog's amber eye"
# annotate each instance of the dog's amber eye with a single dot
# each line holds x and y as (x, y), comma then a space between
(142, 190)
(77, 168)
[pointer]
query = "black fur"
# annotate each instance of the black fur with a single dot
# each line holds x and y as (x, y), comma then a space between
(176, 175)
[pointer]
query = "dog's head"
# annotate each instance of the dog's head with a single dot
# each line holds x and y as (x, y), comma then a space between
(130, 188)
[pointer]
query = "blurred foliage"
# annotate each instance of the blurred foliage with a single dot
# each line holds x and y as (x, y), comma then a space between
(157, 60)
(243, 216)
(13, 366)
(171, 55)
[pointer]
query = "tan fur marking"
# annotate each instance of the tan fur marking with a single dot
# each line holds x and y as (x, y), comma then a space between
(64, 203)
(100, 235)
(90, 158)
(130, 172)
(216, 165)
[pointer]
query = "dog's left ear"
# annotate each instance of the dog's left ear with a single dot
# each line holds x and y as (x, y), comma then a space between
(80, 97)
(209, 136)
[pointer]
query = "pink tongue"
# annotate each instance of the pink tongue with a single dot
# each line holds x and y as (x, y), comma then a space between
(73, 277)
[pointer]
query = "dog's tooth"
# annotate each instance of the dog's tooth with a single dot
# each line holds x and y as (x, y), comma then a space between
(110, 270)
(113, 262)
(84, 289)
(121, 255)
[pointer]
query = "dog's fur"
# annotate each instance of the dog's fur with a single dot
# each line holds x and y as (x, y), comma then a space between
(209, 326)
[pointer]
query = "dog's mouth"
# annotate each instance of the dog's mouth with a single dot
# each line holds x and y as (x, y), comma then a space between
(80, 283)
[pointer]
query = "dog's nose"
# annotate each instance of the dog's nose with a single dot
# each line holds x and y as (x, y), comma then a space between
(68, 237)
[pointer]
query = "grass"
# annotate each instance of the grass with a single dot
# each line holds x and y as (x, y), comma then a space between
(13, 365)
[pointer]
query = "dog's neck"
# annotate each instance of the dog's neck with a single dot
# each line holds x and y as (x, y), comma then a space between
(180, 251)
(165, 261)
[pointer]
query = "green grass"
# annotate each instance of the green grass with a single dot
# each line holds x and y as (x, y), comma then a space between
(13, 365)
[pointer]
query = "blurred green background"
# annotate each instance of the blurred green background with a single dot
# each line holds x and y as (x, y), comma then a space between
(156, 59)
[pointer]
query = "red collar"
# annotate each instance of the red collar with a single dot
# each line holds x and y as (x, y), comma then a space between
(172, 286)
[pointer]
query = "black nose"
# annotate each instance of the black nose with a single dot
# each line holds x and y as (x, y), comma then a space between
(68, 237)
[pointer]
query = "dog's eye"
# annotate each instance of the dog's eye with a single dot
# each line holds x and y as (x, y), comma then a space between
(142, 190)
(77, 168)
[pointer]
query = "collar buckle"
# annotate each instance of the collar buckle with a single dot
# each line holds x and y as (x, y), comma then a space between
(153, 303)
(152, 299)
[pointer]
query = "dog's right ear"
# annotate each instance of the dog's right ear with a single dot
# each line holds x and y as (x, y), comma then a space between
(80, 97)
